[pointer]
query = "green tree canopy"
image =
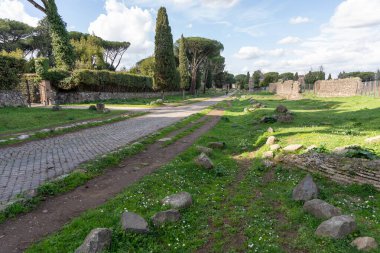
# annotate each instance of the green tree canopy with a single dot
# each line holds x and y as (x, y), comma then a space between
(257, 76)
(165, 76)
(198, 51)
(286, 76)
(12, 33)
(270, 77)
(183, 64)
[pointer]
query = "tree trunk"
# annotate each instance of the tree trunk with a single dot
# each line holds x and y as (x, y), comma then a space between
(162, 95)
(193, 81)
(183, 93)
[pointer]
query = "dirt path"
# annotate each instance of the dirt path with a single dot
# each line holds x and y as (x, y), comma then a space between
(17, 234)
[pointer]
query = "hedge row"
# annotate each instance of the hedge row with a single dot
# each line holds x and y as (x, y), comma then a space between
(11, 69)
(106, 81)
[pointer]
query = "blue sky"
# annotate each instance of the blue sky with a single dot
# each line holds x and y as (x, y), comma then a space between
(271, 35)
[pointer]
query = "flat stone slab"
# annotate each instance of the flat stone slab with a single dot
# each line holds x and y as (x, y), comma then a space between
(268, 155)
(375, 139)
(97, 241)
(165, 139)
(275, 147)
(321, 209)
(166, 217)
(293, 148)
(306, 189)
(337, 227)
(365, 243)
(178, 201)
(132, 222)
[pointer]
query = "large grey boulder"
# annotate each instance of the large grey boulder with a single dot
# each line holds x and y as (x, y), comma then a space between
(178, 201)
(275, 147)
(321, 209)
(268, 155)
(337, 227)
(306, 189)
(98, 240)
(132, 222)
(165, 217)
(204, 161)
(365, 243)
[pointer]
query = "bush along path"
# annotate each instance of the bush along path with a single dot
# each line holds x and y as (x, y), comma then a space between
(240, 203)
(55, 212)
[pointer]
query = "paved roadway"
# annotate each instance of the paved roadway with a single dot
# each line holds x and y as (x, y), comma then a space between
(24, 167)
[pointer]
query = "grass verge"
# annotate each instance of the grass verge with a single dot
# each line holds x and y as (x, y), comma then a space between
(248, 211)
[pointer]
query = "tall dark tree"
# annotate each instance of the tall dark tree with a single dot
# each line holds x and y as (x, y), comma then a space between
(183, 65)
(62, 49)
(247, 78)
(165, 73)
(296, 77)
(113, 52)
(256, 78)
(200, 50)
(329, 78)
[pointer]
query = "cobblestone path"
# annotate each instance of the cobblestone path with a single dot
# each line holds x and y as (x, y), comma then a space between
(26, 166)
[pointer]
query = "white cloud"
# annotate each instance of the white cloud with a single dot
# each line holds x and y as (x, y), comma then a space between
(223, 4)
(248, 53)
(14, 9)
(261, 63)
(299, 20)
(123, 23)
(289, 40)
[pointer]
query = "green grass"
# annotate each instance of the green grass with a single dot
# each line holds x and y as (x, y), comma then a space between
(173, 100)
(15, 120)
(259, 211)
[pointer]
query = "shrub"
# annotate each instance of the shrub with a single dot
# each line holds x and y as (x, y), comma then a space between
(103, 80)
(42, 66)
(56, 75)
(11, 69)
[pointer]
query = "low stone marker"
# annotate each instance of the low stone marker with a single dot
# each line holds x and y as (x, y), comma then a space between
(132, 222)
(270, 130)
(205, 150)
(97, 241)
(306, 189)
(23, 137)
(178, 201)
(365, 243)
(293, 148)
(271, 140)
(204, 161)
(217, 145)
(281, 109)
(375, 139)
(321, 209)
(166, 216)
(337, 227)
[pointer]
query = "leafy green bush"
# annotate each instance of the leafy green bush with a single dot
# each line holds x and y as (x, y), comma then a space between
(56, 75)
(11, 69)
(42, 66)
(108, 81)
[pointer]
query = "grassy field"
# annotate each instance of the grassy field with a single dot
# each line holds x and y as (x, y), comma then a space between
(15, 120)
(241, 206)
(173, 100)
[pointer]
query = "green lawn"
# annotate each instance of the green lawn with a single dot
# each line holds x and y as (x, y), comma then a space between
(15, 120)
(242, 206)
(173, 100)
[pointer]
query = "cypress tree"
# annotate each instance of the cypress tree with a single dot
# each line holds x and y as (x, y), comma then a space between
(165, 69)
(183, 65)
(247, 78)
(63, 51)
(296, 77)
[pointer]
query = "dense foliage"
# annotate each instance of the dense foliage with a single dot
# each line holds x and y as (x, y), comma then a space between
(62, 49)
(165, 75)
(286, 76)
(144, 67)
(313, 76)
(11, 69)
(364, 76)
(183, 65)
(107, 81)
(12, 34)
(270, 77)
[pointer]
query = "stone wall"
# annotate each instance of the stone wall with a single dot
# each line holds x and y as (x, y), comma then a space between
(12, 98)
(338, 88)
(78, 97)
(340, 169)
(288, 89)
